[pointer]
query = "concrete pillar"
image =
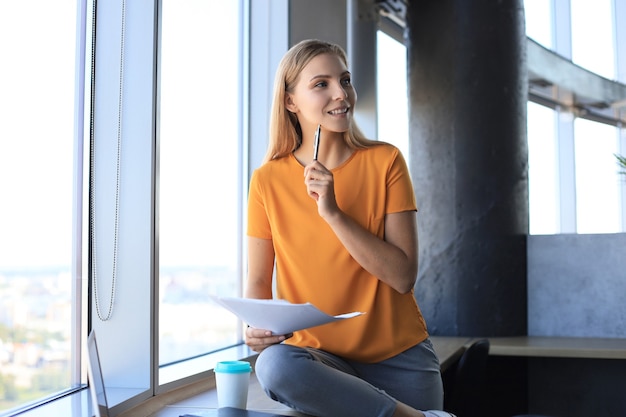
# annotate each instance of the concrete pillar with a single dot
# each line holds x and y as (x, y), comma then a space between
(467, 101)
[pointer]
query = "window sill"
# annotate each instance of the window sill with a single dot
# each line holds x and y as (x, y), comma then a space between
(76, 405)
(185, 374)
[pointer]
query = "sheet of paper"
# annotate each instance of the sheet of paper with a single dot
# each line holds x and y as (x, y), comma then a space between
(279, 316)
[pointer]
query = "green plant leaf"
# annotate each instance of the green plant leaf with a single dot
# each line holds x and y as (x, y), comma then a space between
(621, 161)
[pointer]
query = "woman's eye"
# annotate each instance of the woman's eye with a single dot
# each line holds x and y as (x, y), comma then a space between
(321, 84)
(346, 81)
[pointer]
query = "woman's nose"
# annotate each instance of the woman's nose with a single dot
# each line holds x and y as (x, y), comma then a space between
(340, 92)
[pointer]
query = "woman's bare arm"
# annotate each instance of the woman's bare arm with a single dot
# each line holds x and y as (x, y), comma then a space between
(259, 285)
(393, 260)
(260, 268)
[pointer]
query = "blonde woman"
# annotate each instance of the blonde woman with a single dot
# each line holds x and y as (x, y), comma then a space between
(341, 232)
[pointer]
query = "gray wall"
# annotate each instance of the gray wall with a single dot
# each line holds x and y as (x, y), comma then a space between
(577, 285)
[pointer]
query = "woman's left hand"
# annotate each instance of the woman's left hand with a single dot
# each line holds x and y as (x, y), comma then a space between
(259, 339)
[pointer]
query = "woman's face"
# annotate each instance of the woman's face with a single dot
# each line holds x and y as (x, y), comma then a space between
(323, 94)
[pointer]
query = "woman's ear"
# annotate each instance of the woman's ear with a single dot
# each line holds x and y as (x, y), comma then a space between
(289, 104)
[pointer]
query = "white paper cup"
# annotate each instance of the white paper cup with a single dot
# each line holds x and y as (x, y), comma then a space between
(232, 379)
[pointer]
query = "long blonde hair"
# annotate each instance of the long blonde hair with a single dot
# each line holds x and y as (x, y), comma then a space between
(285, 132)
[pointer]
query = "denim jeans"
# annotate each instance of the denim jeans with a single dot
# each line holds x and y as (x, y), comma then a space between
(321, 384)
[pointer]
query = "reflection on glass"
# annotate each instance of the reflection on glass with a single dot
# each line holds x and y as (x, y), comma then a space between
(393, 113)
(199, 187)
(37, 44)
(543, 188)
(597, 178)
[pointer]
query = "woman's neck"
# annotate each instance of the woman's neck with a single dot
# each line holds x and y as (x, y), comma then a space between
(333, 151)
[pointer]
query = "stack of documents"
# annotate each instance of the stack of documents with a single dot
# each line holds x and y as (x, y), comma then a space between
(279, 316)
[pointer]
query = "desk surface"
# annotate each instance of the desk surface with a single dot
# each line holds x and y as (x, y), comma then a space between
(449, 349)
(558, 347)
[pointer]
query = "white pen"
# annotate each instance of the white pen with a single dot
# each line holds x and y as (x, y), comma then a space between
(316, 145)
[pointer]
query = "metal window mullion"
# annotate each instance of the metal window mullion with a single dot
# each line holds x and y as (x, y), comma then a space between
(566, 171)
(619, 15)
(562, 28)
(619, 33)
(79, 241)
(622, 151)
(243, 168)
(566, 164)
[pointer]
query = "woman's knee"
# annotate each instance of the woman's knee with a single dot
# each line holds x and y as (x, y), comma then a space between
(274, 364)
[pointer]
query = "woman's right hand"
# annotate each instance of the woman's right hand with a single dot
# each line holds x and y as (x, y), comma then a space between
(259, 339)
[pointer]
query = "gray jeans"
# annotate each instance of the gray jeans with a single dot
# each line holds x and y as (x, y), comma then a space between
(324, 385)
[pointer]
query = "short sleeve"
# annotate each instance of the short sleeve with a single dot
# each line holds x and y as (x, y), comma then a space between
(258, 222)
(400, 193)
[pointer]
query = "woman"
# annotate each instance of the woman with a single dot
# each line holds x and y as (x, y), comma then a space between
(342, 233)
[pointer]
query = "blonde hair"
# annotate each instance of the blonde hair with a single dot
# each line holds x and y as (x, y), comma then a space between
(285, 132)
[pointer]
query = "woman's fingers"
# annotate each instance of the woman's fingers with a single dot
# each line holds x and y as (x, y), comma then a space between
(316, 171)
(318, 180)
(259, 339)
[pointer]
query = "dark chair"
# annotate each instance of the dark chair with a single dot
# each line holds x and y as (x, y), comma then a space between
(465, 385)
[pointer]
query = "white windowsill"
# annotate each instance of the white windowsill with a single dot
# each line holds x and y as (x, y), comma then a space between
(171, 377)
(72, 405)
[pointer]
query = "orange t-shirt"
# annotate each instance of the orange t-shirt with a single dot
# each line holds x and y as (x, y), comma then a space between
(313, 266)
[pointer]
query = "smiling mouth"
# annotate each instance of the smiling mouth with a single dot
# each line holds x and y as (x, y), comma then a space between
(339, 111)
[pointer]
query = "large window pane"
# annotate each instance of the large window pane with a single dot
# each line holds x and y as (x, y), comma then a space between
(393, 113)
(592, 36)
(597, 178)
(543, 194)
(539, 21)
(37, 45)
(199, 189)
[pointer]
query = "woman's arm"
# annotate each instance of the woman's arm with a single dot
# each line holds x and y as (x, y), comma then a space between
(260, 268)
(393, 259)
(259, 285)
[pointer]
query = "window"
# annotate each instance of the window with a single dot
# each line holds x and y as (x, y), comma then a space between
(538, 21)
(200, 235)
(574, 186)
(39, 287)
(392, 107)
(542, 170)
(597, 179)
(592, 36)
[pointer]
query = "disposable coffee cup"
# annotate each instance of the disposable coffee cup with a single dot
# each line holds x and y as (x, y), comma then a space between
(232, 379)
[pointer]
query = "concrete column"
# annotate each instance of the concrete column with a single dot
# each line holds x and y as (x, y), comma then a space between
(467, 94)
